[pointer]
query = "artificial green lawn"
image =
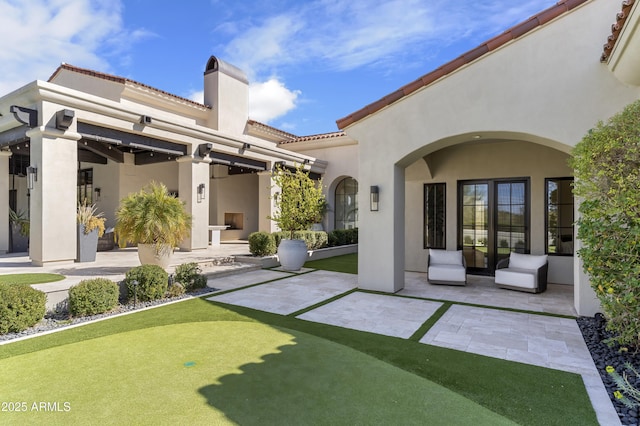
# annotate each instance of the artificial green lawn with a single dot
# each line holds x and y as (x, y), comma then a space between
(227, 372)
(522, 393)
(347, 263)
(39, 278)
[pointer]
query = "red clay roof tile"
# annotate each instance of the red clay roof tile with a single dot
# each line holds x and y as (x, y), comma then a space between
(120, 80)
(517, 31)
(616, 27)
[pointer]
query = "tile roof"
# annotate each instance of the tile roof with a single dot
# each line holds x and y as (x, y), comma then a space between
(621, 18)
(319, 137)
(120, 80)
(265, 128)
(513, 33)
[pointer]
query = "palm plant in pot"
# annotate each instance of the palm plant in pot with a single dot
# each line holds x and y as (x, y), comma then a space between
(153, 219)
(298, 203)
(19, 227)
(90, 228)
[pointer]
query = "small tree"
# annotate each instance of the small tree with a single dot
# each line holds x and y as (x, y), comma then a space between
(607, 179)
(298, 201)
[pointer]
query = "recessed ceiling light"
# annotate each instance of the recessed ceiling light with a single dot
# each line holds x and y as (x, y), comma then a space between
(477, 136)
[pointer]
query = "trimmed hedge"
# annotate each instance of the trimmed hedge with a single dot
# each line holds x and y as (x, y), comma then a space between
(262, 244)
(21, 307)
(91, 297)
(343, 237)
(152, 283)
(266, 244)
(313, 239)
(190, 277)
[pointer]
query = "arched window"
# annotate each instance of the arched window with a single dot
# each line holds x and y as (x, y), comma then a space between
(346, 204)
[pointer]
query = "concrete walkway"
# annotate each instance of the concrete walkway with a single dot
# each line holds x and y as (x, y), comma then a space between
(528, 338)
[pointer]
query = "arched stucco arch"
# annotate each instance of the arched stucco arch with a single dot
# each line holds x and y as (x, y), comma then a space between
(407, 158)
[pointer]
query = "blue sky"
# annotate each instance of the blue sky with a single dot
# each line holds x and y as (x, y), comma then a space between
(309, 62)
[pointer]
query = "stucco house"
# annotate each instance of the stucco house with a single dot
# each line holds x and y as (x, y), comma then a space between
(471, 156)
(84, 134)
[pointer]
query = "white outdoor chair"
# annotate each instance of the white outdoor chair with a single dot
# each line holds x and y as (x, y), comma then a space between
(446, 267)
(524, 272)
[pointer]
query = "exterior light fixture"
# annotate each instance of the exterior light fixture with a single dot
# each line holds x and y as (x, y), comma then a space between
(32, 177)
(201, 192)
(98, 192)
(374, 198)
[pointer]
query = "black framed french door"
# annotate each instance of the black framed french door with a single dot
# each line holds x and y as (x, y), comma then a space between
(493, 221)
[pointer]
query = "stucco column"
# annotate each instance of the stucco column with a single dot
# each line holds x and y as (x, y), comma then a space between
(381, 233)
(193, 172)
(53, 199)
(4, 201)
(265, 202)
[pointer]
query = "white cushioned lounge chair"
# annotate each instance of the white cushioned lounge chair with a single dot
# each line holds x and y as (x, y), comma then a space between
(447, 267)
(524, 272)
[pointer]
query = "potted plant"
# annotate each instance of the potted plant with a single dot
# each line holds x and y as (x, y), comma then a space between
(153, 219)
(298, 204)
(323, 208)
(90, 228)
(19, 224)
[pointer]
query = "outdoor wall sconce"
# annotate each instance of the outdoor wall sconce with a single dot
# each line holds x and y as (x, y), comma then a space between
(375, 197)
(32, 177)
(201, 194)
(64, 118)
(98, 191)
(145, 119)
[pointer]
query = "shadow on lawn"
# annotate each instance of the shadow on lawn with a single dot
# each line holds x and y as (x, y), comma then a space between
(314, 382)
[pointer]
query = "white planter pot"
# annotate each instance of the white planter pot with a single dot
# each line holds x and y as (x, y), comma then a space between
(292, 254)
(148, 256)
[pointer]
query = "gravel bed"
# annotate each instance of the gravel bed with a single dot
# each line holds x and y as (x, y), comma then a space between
(595, 334)
(53, 321)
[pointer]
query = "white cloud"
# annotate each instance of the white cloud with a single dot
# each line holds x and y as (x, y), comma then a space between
(37, 35)
(348, 34)
(270, 99)
(196, 96)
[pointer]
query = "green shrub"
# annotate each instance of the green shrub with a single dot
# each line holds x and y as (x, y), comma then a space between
(190, 276)
(91, 297)
(341, 237)
(152, 283)
(607, 179)
(175, 289)
(21, 307)
(313, 239)
(262, 244)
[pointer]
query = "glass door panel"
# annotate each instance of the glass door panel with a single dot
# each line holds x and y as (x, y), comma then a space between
(475, 225)
(493, 222)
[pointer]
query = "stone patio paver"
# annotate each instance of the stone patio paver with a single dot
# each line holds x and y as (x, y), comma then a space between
(375, 313)
(291, 294)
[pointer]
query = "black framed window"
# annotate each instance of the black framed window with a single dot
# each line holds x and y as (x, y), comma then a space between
(435, 215)
(559, 220)
(85, 186)
(346, 203)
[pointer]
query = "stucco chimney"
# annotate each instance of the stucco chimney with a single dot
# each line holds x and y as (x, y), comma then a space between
(226, 90)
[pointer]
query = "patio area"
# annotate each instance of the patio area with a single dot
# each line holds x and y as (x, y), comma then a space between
(477, 321)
